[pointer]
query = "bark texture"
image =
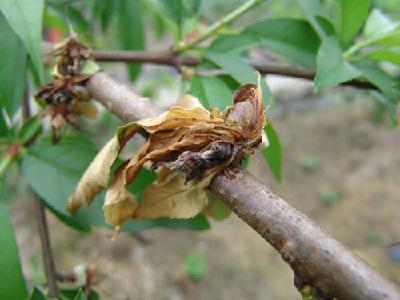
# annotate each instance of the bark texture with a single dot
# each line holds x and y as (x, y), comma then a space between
(315, 257)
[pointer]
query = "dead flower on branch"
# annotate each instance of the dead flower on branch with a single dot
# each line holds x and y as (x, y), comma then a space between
(186, 146)
(67, 97)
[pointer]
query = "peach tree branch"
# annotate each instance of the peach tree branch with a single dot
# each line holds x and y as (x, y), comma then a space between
(316, 258)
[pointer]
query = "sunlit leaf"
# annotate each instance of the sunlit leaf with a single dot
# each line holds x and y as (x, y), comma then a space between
(332, 69)
(273, 153)
(211, 91)
(291, 38)
(234, 65)
(353, 14)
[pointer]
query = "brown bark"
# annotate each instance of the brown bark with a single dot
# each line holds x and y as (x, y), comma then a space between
(172, 59)
(315, 257)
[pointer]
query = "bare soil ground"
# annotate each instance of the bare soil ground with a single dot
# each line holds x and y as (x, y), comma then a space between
(340, 169)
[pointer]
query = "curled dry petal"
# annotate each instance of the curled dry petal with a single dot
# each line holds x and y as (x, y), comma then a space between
(188, 145)
(96, 176)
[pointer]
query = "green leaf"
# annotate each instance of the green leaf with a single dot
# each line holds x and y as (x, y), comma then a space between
(236, 43)
(315, 13)
(199, 222)
(37, 295)
(174, 9)
(380, 78)
(218, 209)
(12, 71)
(12, 283)
(291, 38)
(389, 92)
(131, 30)
(80, 295)
(332, 69)
(104, 10)
(234, 65)
(273, 153)
(377, 24)
(211, 91)
(389, 55)
(29, 129)
(25, 18)
(3, 124)
(71, 294)
(353, 14)
(71, 14)
(195, 265)
(61, 167)
(192, 7)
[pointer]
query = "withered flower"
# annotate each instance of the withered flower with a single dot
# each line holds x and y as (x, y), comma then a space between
(186, 145)
(66, 97)
(71, 56)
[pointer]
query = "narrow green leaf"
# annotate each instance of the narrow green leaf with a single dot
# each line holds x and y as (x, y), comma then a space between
(70, 294)
(389, 55)
(273, 153)
(29, 129)
(80, 295)
(353, 14)
(61, 167)
(38, 295)
(332, 69)
(3, 124)
(389, 93)
(25, 18)
(291, 38)
(236, 43)
(12, 71)
(234, 65)
(192, 7)
(374, 74)
(199, 222)
(377, 24)
(218, 209)
(211, 91)
(71, 14)
(104, 10)
(314, 11)
(174, 9)
(12, 283)
(131, 30)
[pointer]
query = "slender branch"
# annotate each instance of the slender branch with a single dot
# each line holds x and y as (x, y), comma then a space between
(40, 213)
(47, 253)
(315, 257)
(171, 59)
(185, 45)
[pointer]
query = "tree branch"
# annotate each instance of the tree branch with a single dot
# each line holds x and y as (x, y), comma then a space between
(174, 60)
(315, 257)
(40, 213)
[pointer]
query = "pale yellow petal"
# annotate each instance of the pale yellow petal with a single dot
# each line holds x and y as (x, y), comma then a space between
(119, 204)
(188, 101)
(96, 176)
(174, 198)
